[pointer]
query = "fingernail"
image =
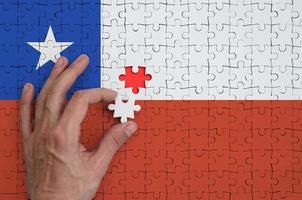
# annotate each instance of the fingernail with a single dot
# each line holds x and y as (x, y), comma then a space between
(130, 129)
(83, 57)
(26, 88)
(60, 62)
(78, 59)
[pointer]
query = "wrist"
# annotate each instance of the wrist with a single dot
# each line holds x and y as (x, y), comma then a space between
(46, 196)
(62, 195)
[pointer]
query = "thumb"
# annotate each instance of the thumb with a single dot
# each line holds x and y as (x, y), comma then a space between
(113, 140)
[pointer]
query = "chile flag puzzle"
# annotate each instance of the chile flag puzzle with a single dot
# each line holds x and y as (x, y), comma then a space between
(219, 83)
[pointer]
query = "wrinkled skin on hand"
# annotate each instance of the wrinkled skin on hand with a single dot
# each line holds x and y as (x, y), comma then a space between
(57, 165)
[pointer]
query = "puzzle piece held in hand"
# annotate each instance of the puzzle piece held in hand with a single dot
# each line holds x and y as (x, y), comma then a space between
(124, 109)
(135, 80)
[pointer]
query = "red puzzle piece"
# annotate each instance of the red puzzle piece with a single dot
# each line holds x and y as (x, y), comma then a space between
(135, 80)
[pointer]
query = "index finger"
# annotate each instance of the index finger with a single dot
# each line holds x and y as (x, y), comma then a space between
(76, 109)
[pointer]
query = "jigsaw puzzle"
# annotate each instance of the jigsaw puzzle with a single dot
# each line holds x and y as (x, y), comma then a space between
(220, 79)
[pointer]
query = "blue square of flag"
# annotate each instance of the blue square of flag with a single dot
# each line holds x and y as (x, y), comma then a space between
(34, 33)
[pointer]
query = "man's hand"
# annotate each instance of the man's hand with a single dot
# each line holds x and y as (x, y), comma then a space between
(57, 165)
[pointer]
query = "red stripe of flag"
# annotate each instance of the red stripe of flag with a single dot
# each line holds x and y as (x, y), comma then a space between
(185, 149)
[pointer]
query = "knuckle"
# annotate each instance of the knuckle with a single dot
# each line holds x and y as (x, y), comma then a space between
(42, 139)
(53, 91)
(79, 96)
(48, 105)
(57, 132)
(40, 101)
(53, 101)
(54, 73)
(115, 142)
(41, 97)
(58, 136)
(23, 104)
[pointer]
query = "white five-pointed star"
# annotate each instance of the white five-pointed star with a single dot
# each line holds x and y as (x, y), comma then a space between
(50, 49)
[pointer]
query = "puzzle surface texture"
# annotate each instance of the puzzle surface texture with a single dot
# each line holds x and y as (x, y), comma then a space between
(185, 150)
(204, 49)
(218, 84)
